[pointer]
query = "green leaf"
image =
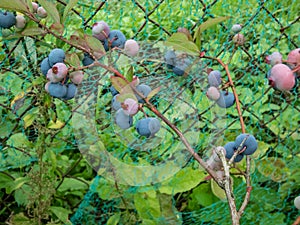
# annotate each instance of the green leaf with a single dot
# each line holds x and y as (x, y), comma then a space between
(19, 140)
(57, 27)
(274, 168)
(218, 192)
(61, 213)
(68, 8)
(147, 205)
(123, 96)
(51, 10)
(16, 184)
(73, 59)
(184, 180)
(5, 180)
(33, 31)
(118, 83)
(180, 41)
(114, 219)
(30, 117)
(129, 74)
(95, 45)
(15, 5)
(71, 184)
(153, 92)
(205, 25)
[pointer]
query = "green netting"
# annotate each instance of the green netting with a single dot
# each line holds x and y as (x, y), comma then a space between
(67, 162)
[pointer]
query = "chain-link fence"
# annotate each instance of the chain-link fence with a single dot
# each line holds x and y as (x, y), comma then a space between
(67, 162)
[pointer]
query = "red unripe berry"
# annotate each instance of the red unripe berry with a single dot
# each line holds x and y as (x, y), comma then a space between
(281, 77)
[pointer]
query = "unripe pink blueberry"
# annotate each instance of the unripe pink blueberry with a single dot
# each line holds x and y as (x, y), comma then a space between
(274, 58)
(130, 106)
(131, 47)
(76, 77)
(213, 93)
(238, 39)
(58, 72)
(297, 202)
(41, 12)
(20, 21)
(281, 77)
(294, 57)
(135, 81)
(35, 6)
(100, 30)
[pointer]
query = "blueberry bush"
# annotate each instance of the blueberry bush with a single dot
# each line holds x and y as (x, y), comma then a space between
(149, 112)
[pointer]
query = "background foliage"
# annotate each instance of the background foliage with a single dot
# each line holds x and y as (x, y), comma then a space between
(45, 179)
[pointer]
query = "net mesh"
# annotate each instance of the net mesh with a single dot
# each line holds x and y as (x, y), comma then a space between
(67, 162)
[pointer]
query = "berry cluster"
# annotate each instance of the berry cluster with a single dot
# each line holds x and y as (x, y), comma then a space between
(125, 110)
(111, 39)
(8, 19)
(177, 62)
(246, 144)
(224, 99)
(238, 38)
(56, 71)
(281, 76)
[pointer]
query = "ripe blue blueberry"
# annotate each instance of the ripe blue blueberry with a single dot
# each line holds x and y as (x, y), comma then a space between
(7, 20)
(45, 66)
(250, 144)
(226, 99)
(181, 64)
(113, 91)
(57, 90)
(214, 78)
(230, 149)
(145, 90)
(170, 58)
(116, 105)
(117, 38)
(148, 126)
(57, 55)
(123, 120)
(71, 91)
(87, 60)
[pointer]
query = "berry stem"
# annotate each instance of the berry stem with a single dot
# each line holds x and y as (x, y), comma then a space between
(297, 68)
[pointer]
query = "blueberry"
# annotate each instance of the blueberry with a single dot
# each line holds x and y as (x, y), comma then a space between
(7, 20)
(98, 30)
(71, 91)
(105, 44)
(118, 38)
(170, 58)
(226, 99)
(145, 90)
(113, 91)
(122, 120)
(148, 126)
(236, 28)
(214, 78)
(57, 90)
(116, 105)
(45, 66)
(230, 149)
(57, 55)
(250, 144)
(87, 60)
(181, 65)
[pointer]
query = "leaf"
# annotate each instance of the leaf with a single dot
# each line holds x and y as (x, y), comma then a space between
(123, 96)
(68, 8)
(184, 180)
(30, 117)
(16, 184)
(274, 168)
(19, 140)
(71, 184)
(15, 5)
(95, 45)
(61, 213)
(209, 23)
(153, 92)
(114, 219)
(118, 83)
(55, 125)
(59, 28)
(51, 10)
(217, 191)
(73, 59)
(77, 40)
(129, 74)
(179, 41)
(147, 205)
(33, 31)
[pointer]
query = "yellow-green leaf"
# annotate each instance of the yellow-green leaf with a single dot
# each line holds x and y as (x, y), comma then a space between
(33, 31)
(15, 5)
(118, 83)
(217, 191)
(55, 125)
(30, 117)
(180, 41)
(114, 219)
(73, 59)
(153, 92)
(68, 8)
